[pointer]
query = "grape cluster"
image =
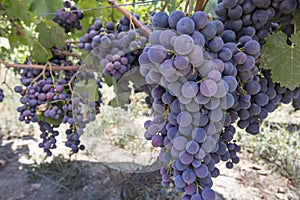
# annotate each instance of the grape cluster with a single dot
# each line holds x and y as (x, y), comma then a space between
(116, 52)
(262, 96)
(207, 77)
(36, 101)
(125, 24)
(247, 23)
(115, 65)
(73, 142)
(48, 134)
(122, 53)
(227, 151)
(92, 37)
(47, 99)
(68, 17)
(256, 18)
(191, 65)
(84, 111)
(1, 95)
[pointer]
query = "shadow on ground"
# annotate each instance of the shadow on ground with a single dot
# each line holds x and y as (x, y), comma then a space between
(64, 179)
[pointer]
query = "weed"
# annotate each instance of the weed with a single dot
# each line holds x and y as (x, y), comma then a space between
(64, 173)
(279, 146)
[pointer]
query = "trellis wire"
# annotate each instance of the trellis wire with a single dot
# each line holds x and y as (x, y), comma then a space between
(91, 9)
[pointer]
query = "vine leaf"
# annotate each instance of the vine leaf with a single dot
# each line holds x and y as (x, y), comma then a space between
(90, 4)
(16, 41)
(39, 53)
(51, 34)
(296, 19)
(210, 8)
(17, 9)
(91, 62)
(283, 60)
(88, 16)
(45, 6)
(88, 86)
(50, 120)
(120, 100)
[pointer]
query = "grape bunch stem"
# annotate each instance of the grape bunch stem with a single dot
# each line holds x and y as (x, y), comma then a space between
(35, 66)
(200, 5)
(136, 22)
(66, 53)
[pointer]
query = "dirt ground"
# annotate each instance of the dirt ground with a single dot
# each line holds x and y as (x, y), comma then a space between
(246, 181)
(88, 178)
(104, 172)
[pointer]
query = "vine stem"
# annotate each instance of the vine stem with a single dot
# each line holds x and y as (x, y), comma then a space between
(165, 5)
(65, 53)
(200, 5)
(191, 2)
(34, 66)
(19, 31)
(186, 6)
(127, 14)
(71, 41)
(4, 81)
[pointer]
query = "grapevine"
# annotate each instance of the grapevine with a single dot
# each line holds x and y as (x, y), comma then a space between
(205, 77)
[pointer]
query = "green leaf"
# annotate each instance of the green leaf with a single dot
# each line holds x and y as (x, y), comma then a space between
(39, 53)
(115, 15)
(51, 34)
(108, 80)
(123, 89)
(120, 100)
(210, 8)
(89, 87)
(283, 60)
(83, 4)
(133, 76)
(46, 6)
(16, 41)
(91, 62)
(296, 19)
(50, 120)
(85, 23)
(17, 8)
